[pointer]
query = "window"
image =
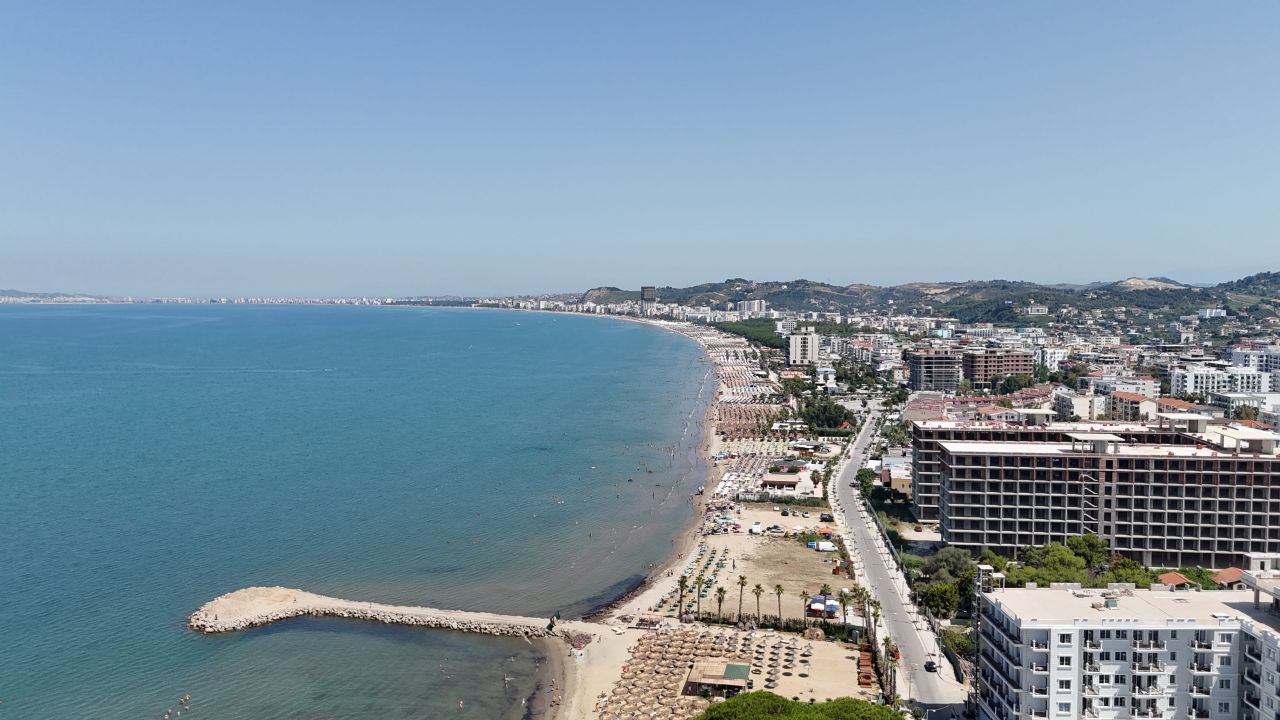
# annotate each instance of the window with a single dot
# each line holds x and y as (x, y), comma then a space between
(1122, 656)
(1122, 634)
(1173, 656)
(1064, 685)
(1173, 634)
(1064, 638)
(1104, 679)
(1224, 660)
(1224, 707)
(1064, 661)
(1224, 684)
(1120, 679)
(1225, 637)
(1064, 708)
(1104, 657)
(1105, 634)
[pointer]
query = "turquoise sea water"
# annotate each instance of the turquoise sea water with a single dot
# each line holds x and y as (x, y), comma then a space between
(153, 457)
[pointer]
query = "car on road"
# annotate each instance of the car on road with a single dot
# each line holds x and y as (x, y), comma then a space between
(930, 666)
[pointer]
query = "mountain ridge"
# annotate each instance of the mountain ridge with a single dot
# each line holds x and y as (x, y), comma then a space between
(998, 300)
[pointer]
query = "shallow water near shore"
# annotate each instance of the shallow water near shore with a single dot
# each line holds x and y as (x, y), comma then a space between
(158, 456)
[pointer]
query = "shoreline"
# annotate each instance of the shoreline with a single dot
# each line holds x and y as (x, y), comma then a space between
(577, 674)
(580, 687)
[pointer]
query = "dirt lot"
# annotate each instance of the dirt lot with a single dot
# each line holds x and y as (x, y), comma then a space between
(771, 561)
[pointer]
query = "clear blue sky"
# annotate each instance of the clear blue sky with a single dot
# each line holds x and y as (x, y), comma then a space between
(391, 148)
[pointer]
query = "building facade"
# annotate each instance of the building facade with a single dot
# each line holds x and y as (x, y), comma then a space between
(988, 365)
(934, 369)
(1207, 500)
(1065, 652)
(802, 347)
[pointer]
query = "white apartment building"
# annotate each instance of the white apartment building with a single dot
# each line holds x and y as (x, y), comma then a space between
(1264, 359)
(784, 327)
(803, 347)
(1138, 384)
(1206, 380)
(1052, 357)
(1064, 652)
(1085, 406)
(1248, 380)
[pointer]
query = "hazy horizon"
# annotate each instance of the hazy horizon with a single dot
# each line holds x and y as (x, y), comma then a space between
(491, 149)
(374, 294)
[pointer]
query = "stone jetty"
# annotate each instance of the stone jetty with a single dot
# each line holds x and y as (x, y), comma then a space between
(262, 605)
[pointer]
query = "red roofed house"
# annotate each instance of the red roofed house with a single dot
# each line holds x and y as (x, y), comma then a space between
(1175, 580)
(995, 412)
(1170, 404)
(1231, 578)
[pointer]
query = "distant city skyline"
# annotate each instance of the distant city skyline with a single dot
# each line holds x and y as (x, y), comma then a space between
(398, 150)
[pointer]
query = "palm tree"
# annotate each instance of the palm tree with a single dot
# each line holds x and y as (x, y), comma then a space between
(683, 583)
(804, 603)
(742, 585)
(845, 598)
(720, 595)
(778, 590)
(758, 590)
(826, 589)
(698, 581)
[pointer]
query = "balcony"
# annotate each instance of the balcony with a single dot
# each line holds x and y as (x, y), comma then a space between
(1091, 690)
(1197, 713)
(1037, 713)
(1253, 676)
(1149, 690)
(1199, 669)
(1251, 699)
(1092, 644)
(1199, 691)
(1149, 644)
(1039, 668)
(1039, 646)
(1251, 652)
(1147, 668)
(1038, 691)
(1201, 645)
(1092, 667)
(1148, 712)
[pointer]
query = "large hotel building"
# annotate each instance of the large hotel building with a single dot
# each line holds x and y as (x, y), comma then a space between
(1177, 492)
(1067, 652)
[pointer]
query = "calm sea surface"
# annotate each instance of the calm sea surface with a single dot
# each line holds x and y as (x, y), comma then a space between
(154, 457)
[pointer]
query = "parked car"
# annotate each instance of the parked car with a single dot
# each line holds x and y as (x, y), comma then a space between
(827, 517)
(930, 666)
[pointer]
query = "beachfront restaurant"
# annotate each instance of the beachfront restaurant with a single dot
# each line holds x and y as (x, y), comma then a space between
(716, 678)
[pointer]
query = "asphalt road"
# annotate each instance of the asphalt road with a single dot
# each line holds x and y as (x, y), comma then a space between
(937, 692)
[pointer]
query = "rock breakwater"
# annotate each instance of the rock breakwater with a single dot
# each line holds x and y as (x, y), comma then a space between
(255, 606)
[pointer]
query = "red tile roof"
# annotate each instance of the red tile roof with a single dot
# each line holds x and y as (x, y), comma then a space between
(1131, 397)
(1174, 578)
(1228, 576)
(1174, 403)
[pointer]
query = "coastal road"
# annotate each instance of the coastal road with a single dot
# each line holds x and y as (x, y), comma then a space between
(935, 691)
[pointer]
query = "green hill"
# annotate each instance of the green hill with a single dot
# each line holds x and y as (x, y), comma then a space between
(997, 301)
